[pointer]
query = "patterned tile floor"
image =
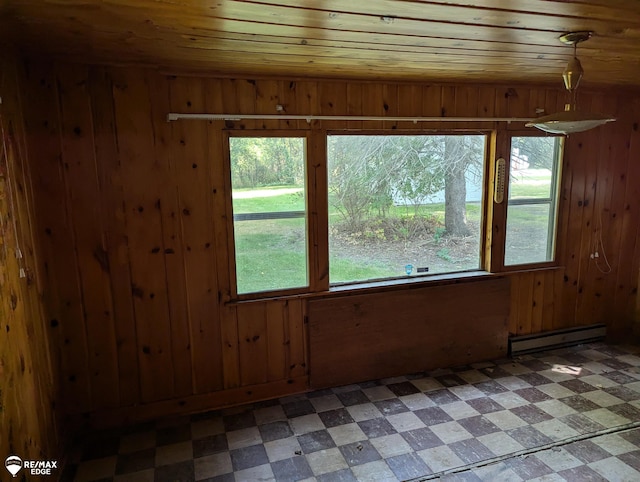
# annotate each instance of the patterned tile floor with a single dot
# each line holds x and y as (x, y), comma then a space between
(570, 414)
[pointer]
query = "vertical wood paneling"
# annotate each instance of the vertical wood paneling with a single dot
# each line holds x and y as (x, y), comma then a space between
(548, 300)
(158, 199)
(533, 301)
(373, 104)
(276, 347)
(220, 186)
(307, 101)
(29, 385)
(559, 285)
(537, 302)
(466, 101)
(502, 101)
(486, 101)
(109, 174)
(628, 269)
(171, 247)
(431, 96)
(267, 97)
(575, 152)
(448, 105)
(619, 160)
(287, 96)
(246, 96)
(253, 339)
(518, 102)
(230, 347)
(296, 338)
(537, 100)
(229, 95)
(214, 95)
(354, 103)
(193, 174)
(141, 178)
(332, 100)
(586, 289)
(390, 104)
(410, 100)
(84, 195)
(514, 310)
(525, 304)
(59, 263)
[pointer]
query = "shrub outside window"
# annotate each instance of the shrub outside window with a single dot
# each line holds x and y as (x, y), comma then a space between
(404, 205)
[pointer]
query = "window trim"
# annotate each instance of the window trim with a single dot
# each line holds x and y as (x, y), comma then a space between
(231, 246)
(556, 177)
(492, 230)
(488, 134)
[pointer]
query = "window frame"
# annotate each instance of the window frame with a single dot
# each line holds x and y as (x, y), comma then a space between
(493, 215)
(231, 244)
(488, 134)
(496, 240)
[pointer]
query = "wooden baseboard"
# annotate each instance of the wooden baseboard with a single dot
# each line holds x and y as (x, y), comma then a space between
(122, 416)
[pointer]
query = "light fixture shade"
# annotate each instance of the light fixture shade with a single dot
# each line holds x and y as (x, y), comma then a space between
(569, 121)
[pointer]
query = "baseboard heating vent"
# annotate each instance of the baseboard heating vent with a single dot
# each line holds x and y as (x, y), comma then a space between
(519, 345)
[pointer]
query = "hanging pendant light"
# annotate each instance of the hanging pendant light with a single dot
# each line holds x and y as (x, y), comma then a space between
(571, 120)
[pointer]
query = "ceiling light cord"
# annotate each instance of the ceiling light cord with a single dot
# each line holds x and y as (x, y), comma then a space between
(12, 207)
(599, 243)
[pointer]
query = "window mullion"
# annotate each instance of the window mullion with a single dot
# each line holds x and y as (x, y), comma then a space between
(318, 207)
(496, 212)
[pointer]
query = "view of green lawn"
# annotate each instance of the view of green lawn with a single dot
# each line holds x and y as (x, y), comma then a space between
(387, 215)
(266, 258)
(272, 252)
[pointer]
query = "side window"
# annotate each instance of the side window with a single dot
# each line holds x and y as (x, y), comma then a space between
(269, 213)
(532, 200)
(403, 205)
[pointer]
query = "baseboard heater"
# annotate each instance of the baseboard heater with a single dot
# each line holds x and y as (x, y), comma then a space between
(519, 345)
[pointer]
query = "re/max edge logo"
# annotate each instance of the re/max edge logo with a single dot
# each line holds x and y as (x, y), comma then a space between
(14, 464)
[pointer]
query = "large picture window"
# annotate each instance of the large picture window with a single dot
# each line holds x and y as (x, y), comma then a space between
(269, 213)
(404, 205)
(385, 207)
(532, 201)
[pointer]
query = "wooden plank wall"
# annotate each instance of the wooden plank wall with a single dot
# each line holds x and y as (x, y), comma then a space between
(133, 217)
(29, 419)
(352, 339)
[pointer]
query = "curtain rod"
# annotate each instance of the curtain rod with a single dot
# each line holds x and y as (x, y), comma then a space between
(172, 116)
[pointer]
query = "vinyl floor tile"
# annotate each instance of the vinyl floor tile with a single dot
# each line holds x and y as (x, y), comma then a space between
(571, 414)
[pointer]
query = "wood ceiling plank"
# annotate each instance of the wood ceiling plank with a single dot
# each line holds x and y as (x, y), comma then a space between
(404, 39)
(365, 30)
(112, 15)
(565, 16)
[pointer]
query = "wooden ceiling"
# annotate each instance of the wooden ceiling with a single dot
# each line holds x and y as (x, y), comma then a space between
(474, 40)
